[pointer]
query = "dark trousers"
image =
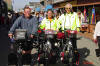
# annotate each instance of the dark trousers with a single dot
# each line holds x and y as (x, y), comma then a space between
(74, 43)
(98, 39)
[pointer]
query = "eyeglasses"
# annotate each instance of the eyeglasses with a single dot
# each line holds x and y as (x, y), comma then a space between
(68, 8)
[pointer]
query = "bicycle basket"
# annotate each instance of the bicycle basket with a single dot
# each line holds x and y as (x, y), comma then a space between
(20, 34)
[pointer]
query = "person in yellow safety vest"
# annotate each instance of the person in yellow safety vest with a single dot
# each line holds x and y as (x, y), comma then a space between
(57, 15)
(49, 23)
(70, 19)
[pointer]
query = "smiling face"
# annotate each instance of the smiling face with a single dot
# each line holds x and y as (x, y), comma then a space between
(68, 8)
(50, 14)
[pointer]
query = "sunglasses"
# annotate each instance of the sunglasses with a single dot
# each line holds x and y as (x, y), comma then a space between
(68, 8)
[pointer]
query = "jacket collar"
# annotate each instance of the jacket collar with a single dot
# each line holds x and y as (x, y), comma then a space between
(25, 18)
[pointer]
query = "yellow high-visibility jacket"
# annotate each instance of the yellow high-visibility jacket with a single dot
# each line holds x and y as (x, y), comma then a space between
(69, 21)
(47, 24)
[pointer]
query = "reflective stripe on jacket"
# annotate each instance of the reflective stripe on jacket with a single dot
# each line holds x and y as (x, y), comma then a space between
(47, 24)
(69, 21)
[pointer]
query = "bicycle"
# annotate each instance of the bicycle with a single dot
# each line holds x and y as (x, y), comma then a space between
(69, 54)
(21, 43)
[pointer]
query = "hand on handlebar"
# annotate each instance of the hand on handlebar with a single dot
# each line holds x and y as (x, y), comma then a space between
(31, 36)
(10, 36)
